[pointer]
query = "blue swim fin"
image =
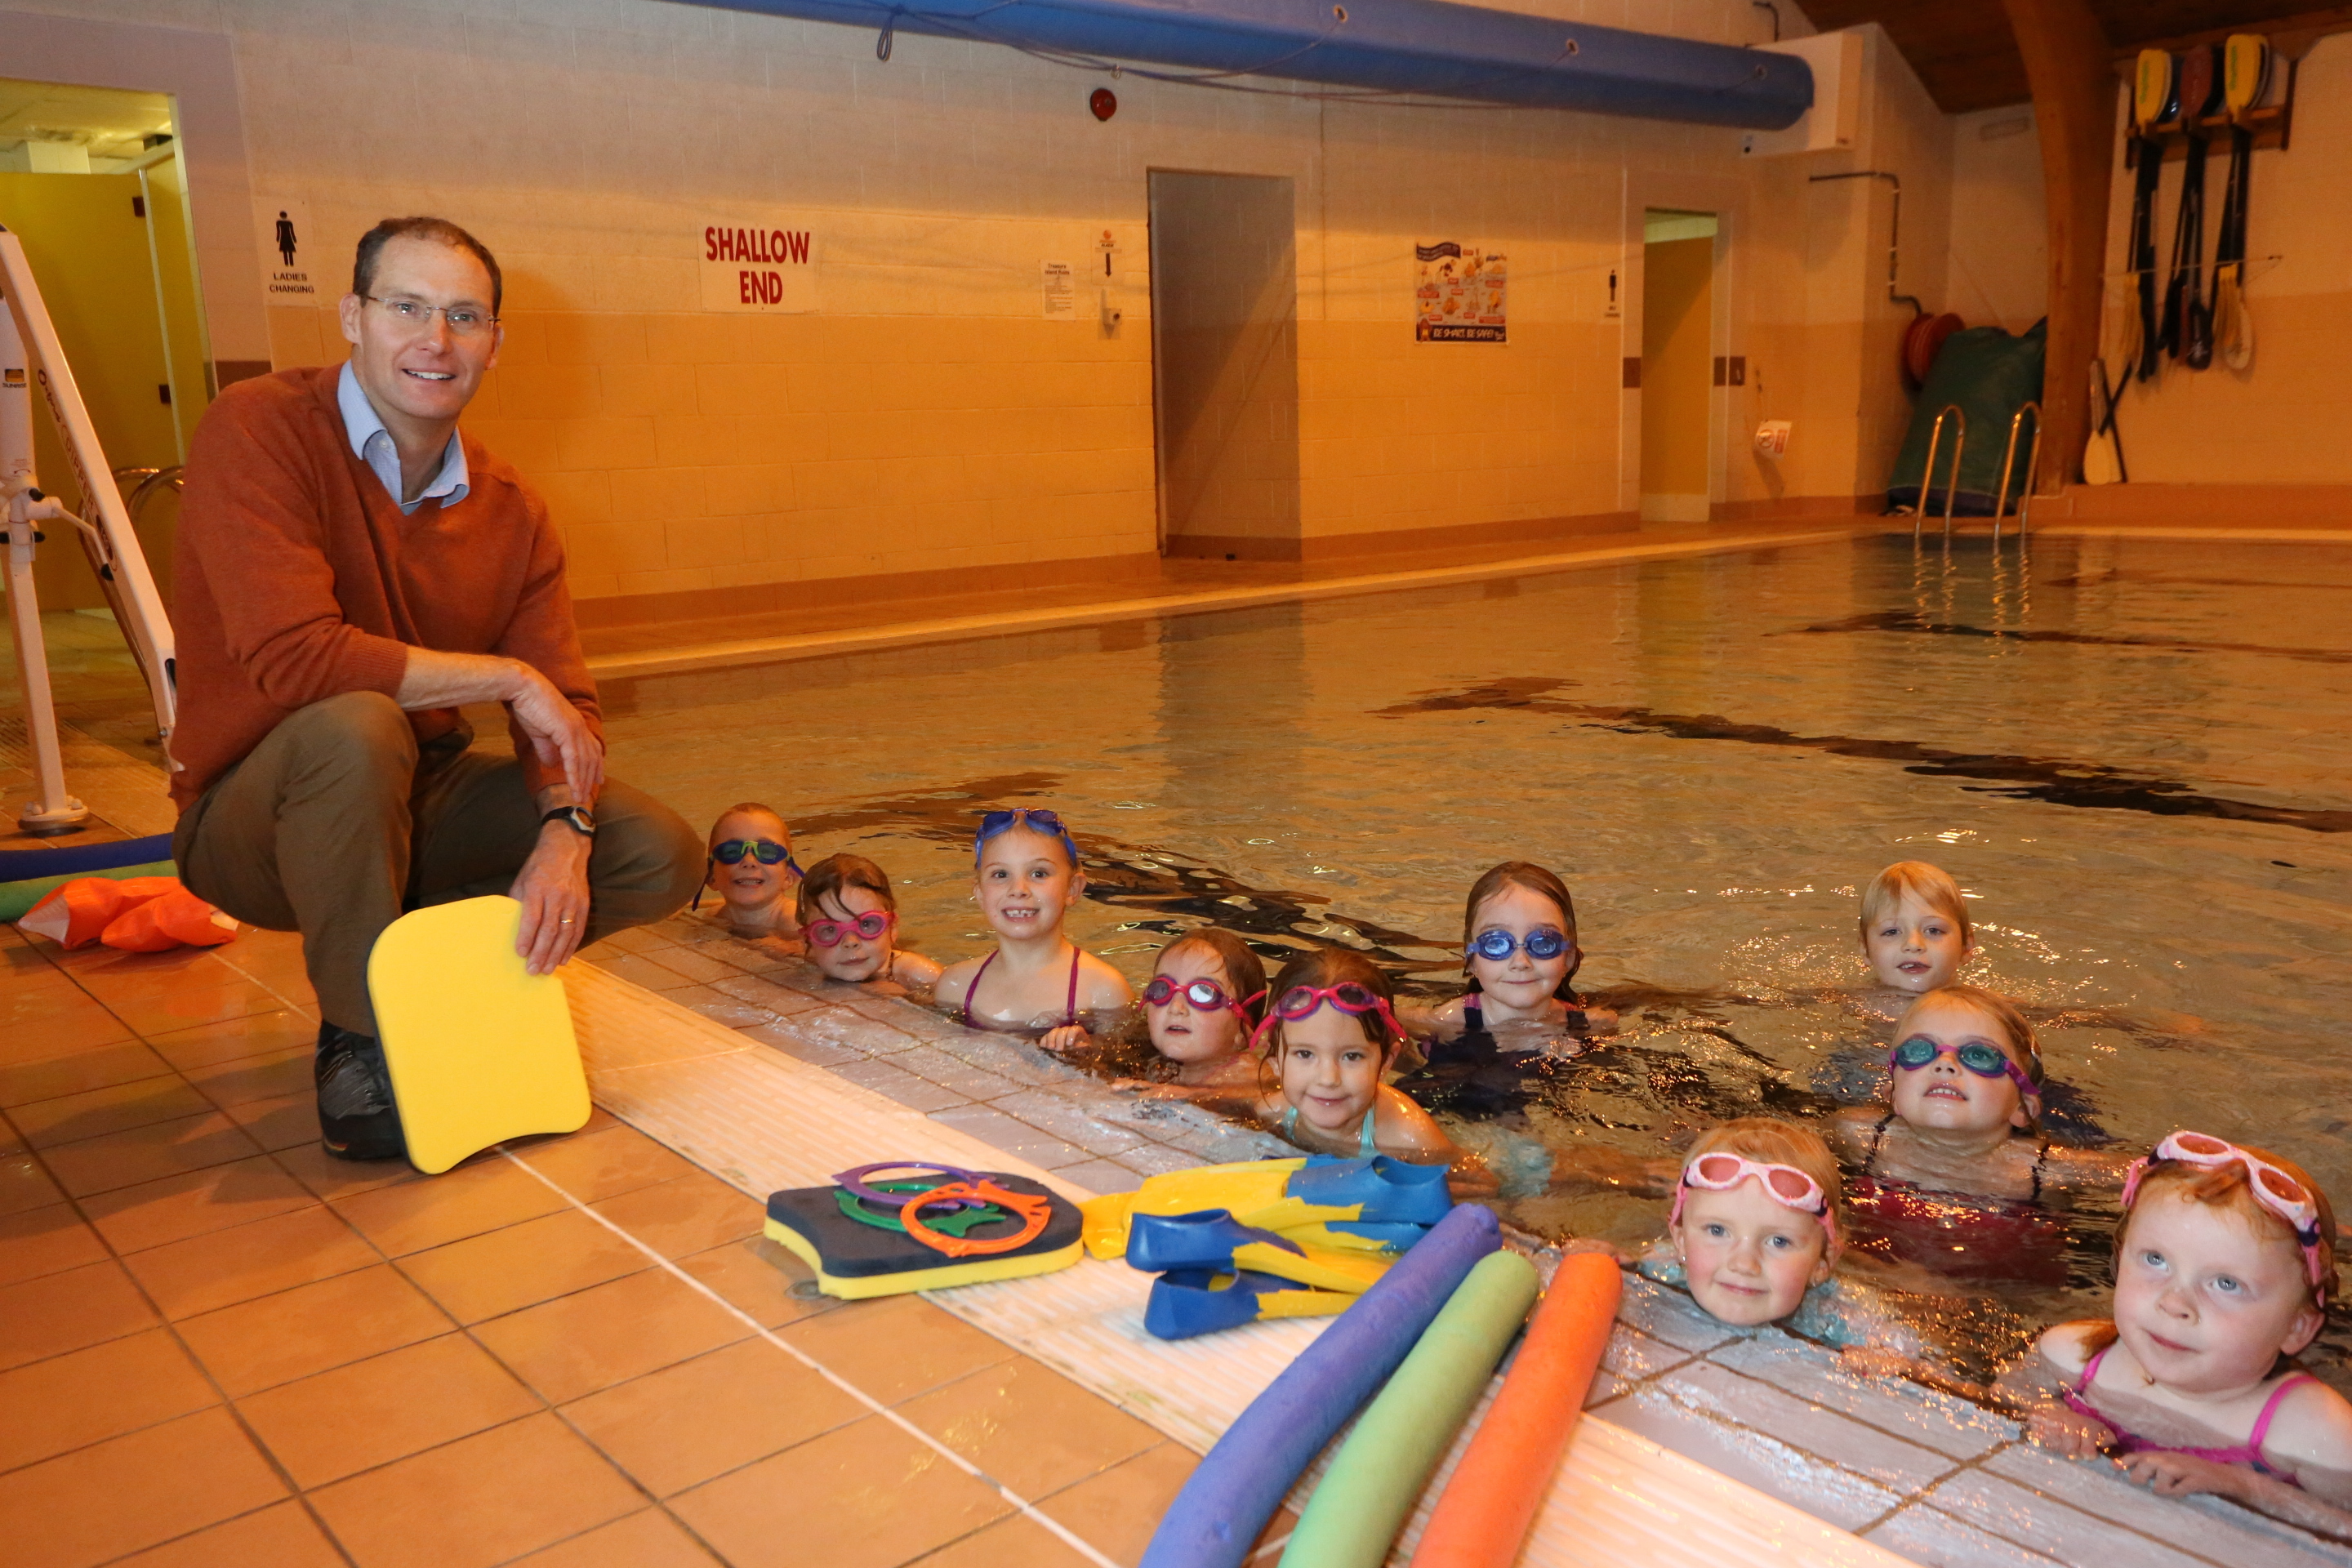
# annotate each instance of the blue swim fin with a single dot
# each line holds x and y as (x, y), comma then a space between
(1390, 1191)
(1186, 1302)
(1206, 1239)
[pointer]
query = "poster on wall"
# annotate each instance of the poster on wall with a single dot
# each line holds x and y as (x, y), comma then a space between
(757, 266)
(1060, 288)
(288, 246)
(1461, 293)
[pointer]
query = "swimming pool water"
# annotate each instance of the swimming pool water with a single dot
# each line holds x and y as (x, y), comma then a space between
(2134, 754)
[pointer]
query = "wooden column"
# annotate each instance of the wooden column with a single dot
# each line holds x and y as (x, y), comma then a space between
(2067, 64)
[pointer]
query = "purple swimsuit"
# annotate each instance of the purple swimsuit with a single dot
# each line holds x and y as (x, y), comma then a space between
(2250, 1452)
(1070, 1004)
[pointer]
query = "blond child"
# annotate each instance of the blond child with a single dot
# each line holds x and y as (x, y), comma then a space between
(2225, 1263)
(1916, 931)
(849, 918)
(750, 865)
(1025, 879)
(1963, 1113)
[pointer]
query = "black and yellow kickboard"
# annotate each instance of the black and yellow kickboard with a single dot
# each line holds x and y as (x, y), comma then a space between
(854, 1261)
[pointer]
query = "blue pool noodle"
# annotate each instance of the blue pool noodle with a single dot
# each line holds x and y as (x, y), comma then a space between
(73, 860)
(1236, 1489)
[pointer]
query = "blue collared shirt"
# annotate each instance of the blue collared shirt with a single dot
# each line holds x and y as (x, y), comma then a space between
(372, 445)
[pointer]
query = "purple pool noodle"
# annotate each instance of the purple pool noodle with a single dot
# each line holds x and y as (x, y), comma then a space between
(1237, 1486)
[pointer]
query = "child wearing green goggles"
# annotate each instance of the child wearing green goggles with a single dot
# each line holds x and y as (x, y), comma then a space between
(750, 865)
(1963, 1113)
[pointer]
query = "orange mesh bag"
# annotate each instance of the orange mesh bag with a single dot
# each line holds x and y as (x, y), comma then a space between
(177, 918)
(73, 913)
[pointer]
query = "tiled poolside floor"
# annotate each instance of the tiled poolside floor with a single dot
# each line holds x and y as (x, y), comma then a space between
(220, 1347)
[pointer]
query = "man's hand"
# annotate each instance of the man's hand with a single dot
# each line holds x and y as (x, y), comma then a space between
(553, 888)
(559, 731)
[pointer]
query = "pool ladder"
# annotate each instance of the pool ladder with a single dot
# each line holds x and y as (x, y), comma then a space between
(1927, 474)
(1953, 411)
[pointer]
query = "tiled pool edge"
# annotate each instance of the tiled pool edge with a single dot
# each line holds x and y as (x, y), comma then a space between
(1767, 1410)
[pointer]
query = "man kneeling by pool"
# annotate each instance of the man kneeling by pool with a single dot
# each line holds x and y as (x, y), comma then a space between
(352, 569)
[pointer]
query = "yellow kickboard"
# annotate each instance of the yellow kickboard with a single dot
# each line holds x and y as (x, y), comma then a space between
(481, 1049)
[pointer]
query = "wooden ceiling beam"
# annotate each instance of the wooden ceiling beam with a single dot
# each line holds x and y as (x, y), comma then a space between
(2068, 63)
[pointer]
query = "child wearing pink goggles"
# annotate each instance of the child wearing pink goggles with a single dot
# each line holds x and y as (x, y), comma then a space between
(1328, 1037)
(2225, 1266)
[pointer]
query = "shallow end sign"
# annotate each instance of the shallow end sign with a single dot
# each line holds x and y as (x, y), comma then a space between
(757, 267)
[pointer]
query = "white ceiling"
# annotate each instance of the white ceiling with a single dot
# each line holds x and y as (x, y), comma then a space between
(110, 123)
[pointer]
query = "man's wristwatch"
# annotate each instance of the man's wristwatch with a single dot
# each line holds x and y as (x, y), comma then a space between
(576, 817)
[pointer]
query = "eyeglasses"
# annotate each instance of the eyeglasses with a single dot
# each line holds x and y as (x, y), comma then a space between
(1543, 942)
(2274, 1189)
(1984, 1061)
(1205, 995)
(1349, 996)
(465, 320)
(731, 851)
(869, 926)
(1720, 1171)
(1036, 818)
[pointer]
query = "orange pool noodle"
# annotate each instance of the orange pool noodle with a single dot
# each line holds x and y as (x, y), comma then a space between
(176, 918)
(1482, 1520)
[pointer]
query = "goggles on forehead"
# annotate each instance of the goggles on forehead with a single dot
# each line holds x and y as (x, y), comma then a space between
(1037, 819)
(1496, 945)
(1984, 1061)
(2274, 1189)
(1205, 995)
(1350, 996)
(869, 926)
(1720, 1171)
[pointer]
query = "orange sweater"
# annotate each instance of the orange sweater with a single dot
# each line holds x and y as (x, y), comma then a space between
(298, 578)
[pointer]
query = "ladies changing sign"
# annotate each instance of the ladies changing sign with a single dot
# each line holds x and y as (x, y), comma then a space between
(1460, 293)
(758, 267)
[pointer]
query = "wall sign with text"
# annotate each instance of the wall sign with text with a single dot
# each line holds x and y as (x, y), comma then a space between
(1460, 293)
(758, 267)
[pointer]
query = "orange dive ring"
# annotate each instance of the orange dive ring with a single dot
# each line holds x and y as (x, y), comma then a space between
(1034, 1210)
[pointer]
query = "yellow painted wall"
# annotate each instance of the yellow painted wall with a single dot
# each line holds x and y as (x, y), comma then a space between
(1677, 304)
(928, 416)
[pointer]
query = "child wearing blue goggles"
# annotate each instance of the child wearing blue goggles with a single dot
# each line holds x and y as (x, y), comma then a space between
(1519, 953)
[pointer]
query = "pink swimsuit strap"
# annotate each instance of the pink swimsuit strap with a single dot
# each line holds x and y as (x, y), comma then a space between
(2250, 1452)
(971, 992)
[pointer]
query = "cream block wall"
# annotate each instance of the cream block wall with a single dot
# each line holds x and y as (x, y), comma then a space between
(926, 416)
(2282, 419)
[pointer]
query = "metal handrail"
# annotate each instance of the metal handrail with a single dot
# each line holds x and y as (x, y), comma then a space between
(2032, 470)
(150, 480)
(1928, 473)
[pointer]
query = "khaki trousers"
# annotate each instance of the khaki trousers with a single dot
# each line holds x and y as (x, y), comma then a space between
(334, 827)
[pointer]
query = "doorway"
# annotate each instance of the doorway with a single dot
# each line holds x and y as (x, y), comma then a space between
(90, 183)
(1225, 364)
(1677, 327)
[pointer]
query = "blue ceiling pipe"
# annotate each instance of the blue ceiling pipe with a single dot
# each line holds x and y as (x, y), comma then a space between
(1430, 48)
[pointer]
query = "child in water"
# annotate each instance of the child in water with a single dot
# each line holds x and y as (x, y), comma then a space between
(850, 918)
(750, 868)
(1206, 996)
(2225, 1261)
(1026, 877)
(1916, 931)
(1518, 952)
(1964, 1106)
(1328, 1035)
(1756, 1236)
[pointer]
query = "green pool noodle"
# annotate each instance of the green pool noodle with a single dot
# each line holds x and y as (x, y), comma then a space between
(17, 898)
(1375, 1479)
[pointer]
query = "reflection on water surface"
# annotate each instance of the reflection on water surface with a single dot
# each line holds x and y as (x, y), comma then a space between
(2135, 756)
